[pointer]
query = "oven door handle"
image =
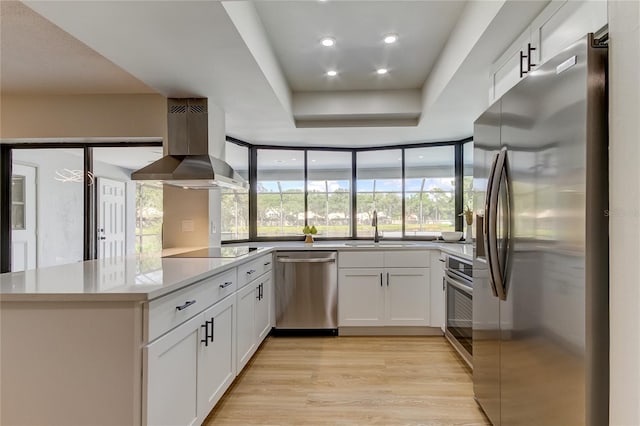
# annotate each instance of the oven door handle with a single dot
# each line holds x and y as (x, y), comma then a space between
(459, 286)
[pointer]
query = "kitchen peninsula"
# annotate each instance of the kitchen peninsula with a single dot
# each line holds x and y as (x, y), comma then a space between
(139, 332)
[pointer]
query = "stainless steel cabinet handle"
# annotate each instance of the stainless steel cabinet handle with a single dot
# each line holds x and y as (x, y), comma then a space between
(226, 284)
(186, 305)
(251, 272)
(318, 260)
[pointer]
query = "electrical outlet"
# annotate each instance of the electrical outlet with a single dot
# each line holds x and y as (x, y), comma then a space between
(187, 226)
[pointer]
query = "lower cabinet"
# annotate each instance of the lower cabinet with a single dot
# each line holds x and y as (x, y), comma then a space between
(383, 297)
(253, 317)
(190, 367)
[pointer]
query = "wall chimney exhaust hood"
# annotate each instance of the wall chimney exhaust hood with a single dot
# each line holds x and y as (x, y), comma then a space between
(189, 164)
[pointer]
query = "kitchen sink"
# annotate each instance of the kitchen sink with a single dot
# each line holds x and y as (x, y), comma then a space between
(378, 245)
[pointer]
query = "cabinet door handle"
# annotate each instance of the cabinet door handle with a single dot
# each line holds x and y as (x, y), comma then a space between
(251, 272)
(529, 63)
(261, 291)
(226, 284)
(387, 279)
(186, 305)
(442, 283)
(380, 279)
(522, 70)
(206, 333)
(267, 264)
(212, 329)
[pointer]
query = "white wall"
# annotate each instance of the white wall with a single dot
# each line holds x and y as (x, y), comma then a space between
(60, 205)
(624, 222)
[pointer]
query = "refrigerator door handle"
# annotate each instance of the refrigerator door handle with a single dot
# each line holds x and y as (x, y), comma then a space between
(492, 250)
(487, 217)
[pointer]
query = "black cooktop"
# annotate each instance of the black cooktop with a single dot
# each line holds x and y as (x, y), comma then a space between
(217, 252)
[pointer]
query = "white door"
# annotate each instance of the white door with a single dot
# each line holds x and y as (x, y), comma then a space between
(361, 297)
(263, 303)
(216, 358)
(407, 296)
(172, 376)
(111, 218)
(23, 218)
(246, 331)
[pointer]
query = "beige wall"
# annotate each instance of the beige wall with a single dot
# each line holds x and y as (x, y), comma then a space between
(185, 205)
(79, 116)
(624, 207)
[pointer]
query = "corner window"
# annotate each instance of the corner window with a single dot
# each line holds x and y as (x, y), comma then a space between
(379, 188)
(429, 190)
(280, 193)
(235, 203)
(329, 193)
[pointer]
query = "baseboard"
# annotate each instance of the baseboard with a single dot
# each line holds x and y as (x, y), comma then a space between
(389, 331)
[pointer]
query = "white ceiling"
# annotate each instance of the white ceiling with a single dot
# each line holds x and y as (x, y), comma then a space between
(252, 59)
(296, 28)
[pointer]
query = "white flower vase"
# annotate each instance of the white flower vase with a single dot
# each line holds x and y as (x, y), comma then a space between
(468, 238)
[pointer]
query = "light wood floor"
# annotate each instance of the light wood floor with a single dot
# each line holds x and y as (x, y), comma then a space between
(351, 381)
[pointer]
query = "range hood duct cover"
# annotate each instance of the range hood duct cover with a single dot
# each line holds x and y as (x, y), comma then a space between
(189, 164)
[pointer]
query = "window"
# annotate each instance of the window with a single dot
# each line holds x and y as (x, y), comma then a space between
(429, 190)
(329, 192)
(280, 193)
(18, 216)
(235, 203)
(148, 217)
(467, 180)
(379, 188)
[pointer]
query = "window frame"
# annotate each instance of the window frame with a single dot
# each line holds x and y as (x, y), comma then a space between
(253, 174)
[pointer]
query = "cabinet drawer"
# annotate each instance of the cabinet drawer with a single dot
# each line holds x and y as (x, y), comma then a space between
(172, 310)
(407, 259)
(360, 259)
(253, 269)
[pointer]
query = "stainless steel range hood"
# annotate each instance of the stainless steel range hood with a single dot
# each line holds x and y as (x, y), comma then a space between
(189, 164)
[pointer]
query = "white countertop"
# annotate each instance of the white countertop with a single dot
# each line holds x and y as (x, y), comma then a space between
(142, 278)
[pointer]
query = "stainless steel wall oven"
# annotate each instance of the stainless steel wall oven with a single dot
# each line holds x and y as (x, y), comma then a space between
(459, 313)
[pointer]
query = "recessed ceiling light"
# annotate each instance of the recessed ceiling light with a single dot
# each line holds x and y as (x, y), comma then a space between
(293, 159)
(390, 38)
(313, 161)
(332, 73)
(382, 71)
(328, 41)
(420, 156)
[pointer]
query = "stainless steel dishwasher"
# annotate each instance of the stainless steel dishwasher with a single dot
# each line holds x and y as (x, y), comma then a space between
(306, 285)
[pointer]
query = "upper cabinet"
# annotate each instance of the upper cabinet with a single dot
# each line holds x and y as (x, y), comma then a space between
(561, 23)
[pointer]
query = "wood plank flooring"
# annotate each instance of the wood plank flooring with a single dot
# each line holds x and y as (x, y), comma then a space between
(351, 381)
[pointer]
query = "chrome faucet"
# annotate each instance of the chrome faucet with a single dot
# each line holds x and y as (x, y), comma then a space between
(374, 222)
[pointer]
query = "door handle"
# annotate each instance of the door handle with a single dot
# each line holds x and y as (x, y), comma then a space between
(212, 329)
(380, 279)
(226, 284)
(522, 70)
(206, 333)
(529, 63)
(487, 217)
(496, 272)
(251, 272)
(387, 279)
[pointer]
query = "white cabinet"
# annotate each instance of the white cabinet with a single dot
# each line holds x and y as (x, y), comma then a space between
(172, 376)
(190, 367)
(394, 295)
(361, 297)
(407, 296)
(254, 317)
(216, 357)
(437, 295)
(558, 25)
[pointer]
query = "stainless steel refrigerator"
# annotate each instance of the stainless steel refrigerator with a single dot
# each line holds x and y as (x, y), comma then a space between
(540, 277)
